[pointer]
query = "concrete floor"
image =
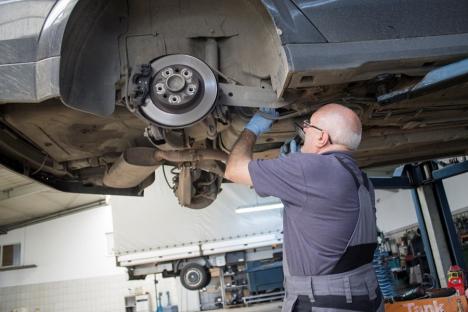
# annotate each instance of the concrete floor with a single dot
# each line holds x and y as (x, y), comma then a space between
(259, 307)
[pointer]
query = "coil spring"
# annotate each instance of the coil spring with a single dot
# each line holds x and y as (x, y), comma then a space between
(384, 275)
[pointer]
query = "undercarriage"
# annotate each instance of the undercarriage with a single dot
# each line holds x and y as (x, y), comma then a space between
(149, 84)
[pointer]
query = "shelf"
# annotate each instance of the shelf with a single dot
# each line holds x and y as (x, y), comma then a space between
(235, 286)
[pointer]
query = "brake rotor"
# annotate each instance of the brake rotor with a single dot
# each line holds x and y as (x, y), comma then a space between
(182, 91)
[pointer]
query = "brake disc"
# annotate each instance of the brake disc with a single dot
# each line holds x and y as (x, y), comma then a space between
(182, 91)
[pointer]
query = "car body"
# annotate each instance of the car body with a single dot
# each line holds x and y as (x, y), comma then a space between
(80, 108)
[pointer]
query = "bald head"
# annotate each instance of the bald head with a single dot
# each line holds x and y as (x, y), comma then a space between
(342, 124)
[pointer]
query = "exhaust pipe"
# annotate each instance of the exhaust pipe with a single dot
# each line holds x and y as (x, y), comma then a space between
(190, 155)
(133, 167)
(138, 163)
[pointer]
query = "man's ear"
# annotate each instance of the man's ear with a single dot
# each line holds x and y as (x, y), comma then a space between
(323, 140)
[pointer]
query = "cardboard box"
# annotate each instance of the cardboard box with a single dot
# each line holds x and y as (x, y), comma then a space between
(445, 304)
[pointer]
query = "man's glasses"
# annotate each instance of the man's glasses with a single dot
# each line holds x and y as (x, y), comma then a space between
(306, 124)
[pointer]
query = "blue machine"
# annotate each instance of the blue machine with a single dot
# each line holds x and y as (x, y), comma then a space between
(265, 276)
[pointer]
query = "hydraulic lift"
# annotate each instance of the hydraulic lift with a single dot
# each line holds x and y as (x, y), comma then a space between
(441, 243)
(425, 181)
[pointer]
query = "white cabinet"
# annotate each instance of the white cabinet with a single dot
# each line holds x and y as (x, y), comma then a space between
(138, 303)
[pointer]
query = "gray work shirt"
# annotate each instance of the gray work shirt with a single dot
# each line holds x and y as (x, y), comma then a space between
(321, 206)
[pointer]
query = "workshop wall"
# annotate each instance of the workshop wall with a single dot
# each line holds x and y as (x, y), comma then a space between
(71, 247)
(395, 208)
(75, 269)
(456, 189)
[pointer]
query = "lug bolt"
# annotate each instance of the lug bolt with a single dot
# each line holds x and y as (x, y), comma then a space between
(160, 89)
(167, 72)
(174, 99)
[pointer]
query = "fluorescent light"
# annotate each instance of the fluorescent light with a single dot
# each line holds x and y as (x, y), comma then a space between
(249, 209)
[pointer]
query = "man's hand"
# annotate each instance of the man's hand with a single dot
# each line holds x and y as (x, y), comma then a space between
(259, 124)
(290, 147)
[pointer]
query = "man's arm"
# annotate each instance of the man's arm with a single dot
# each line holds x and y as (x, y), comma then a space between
(237, 169)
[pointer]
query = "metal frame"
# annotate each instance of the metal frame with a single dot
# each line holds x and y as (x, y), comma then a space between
(437, 79)
(450, 171)
(435, 220)
(424, 236)
(455, 246)
(63, 184)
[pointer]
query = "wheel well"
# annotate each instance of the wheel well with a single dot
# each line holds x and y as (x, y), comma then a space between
(89, 66)
(104, 39)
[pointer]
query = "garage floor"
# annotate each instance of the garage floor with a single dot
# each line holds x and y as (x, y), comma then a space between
(260, 307)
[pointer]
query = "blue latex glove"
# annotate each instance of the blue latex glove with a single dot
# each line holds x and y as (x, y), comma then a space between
(259, 124)
(289, 147)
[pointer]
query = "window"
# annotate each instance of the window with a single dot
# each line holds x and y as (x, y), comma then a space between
(10, 255)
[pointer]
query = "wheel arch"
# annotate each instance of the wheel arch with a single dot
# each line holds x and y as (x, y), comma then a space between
(93, 58)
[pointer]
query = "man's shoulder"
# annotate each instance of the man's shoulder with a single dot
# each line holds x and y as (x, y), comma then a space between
(312, 157)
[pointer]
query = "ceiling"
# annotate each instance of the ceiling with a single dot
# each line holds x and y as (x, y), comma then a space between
(24, 201)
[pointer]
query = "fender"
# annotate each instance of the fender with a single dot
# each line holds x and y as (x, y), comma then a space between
(291, 23)
(53, 29)
(33, 76)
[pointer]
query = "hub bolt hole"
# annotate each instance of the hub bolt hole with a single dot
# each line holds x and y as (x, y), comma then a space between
(186, 73)
(191, 89)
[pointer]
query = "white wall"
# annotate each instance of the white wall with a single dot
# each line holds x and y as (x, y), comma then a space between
(74, 270)
(456, 189)
(71, 247)
(395, 209)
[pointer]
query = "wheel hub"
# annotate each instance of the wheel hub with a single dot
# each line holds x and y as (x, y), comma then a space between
(182, 91)
(176, 87)
(175, 83)
(193, 277)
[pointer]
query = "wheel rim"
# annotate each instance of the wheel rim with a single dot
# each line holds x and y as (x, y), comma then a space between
(193, 277)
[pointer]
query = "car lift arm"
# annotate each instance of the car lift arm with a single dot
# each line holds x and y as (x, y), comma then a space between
(435, 80)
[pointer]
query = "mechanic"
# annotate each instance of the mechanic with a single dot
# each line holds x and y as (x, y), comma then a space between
(329, 222)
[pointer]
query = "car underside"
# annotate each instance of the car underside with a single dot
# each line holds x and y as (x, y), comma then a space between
(144, 84)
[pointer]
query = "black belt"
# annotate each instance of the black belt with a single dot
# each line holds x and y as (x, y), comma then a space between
(359, 303)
